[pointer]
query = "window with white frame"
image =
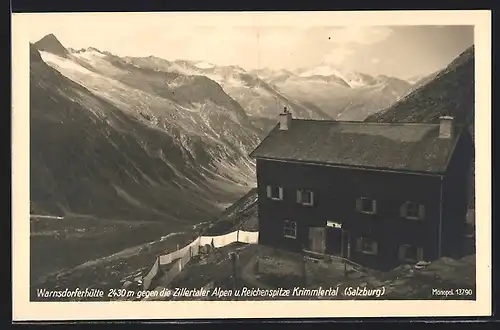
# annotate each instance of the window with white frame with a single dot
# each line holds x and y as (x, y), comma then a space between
(305, 197)
(275, 192)
(366, 205)
(412, 210)
(411, 253)
(366, 245)
(290, 229)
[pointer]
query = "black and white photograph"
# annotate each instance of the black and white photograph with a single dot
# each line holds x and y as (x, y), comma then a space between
(227, 160)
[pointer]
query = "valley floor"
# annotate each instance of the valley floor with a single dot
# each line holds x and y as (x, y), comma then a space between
(66, 242)
(94, 253)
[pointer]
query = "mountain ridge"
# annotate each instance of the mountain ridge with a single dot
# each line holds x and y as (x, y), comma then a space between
(104, 138)
(50, 43)
(449, 92)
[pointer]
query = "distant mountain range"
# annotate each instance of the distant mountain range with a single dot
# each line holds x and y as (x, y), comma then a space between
(259, 98)
(323, 92)
(148, 138)
(342, 95)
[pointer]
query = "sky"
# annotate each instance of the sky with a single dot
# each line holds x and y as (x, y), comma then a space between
(402, 51)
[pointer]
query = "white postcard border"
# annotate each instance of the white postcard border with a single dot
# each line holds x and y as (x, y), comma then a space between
(24, 310)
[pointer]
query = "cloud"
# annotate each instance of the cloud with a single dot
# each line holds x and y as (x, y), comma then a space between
(359, 35)
(337, 55)
(227, 45)
(346, 41)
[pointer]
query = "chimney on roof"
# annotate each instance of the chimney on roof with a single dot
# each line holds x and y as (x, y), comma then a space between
(285, 119)
(446, 127)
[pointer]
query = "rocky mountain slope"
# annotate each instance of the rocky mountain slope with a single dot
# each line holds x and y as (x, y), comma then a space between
(419, 81)
(117, 141)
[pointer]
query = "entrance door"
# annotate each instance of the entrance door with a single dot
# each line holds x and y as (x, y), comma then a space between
(334, 238)
(334, 241)
(317, 239)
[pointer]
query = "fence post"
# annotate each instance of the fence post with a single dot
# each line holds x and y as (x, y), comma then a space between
(234, 259)
(238, 235)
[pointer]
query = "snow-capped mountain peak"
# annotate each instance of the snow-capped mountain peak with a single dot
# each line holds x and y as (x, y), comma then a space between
(204, 65)
(89, 53)
(322, 70)
(352, 79)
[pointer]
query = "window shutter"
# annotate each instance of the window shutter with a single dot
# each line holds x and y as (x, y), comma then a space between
(269, 192)
(358, 204)
(420, 254)
(280, 192)
(299, 196)
(403, 210)
(421, 212)
(402, 252)
(374, 206)
(312, 198)
(375, 247)
(359, 244)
